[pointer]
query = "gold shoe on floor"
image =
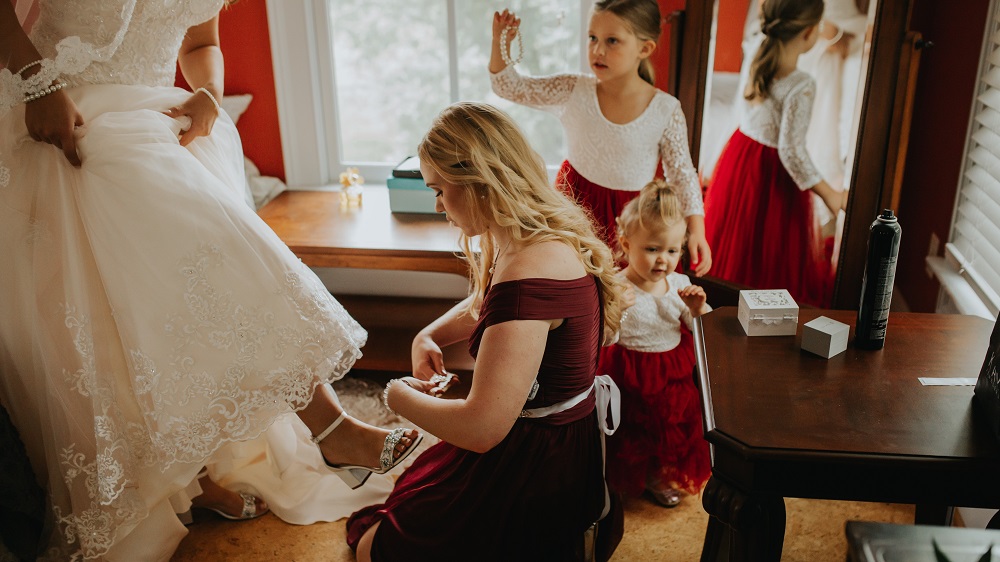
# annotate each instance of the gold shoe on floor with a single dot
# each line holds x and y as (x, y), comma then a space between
(355, 476)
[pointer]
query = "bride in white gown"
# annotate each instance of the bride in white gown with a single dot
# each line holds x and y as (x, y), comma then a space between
(150, 323)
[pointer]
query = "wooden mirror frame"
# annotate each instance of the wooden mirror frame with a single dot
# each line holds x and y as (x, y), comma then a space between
(878, 153)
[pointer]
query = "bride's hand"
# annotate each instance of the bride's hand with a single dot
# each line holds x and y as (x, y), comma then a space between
(53, 119)
(201, 110)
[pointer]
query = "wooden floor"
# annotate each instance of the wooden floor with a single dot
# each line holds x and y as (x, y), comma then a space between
(814, 532)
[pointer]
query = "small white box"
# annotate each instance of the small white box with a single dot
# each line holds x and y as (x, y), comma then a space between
(770, 312)
(825, 336)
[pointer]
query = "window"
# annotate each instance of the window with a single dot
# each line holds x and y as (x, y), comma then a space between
(974, 247)
(359, 81)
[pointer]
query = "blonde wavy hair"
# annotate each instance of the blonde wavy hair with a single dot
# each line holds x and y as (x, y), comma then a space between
(477, 146)
(780, 21)
(657, 208)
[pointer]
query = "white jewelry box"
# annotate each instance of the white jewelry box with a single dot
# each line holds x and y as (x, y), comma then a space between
(769, 312)
(825, 336)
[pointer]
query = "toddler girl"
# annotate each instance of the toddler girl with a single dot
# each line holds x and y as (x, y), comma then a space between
(658, 446)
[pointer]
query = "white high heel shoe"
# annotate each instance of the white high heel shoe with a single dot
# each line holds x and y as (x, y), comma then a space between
(355, 476)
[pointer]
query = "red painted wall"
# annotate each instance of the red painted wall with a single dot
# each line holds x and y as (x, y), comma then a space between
(247, 49)
(943, 100)
(661, 56)
(729, 35)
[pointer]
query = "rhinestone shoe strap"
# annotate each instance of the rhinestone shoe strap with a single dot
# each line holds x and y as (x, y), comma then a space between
(249, 505)
(389, 447)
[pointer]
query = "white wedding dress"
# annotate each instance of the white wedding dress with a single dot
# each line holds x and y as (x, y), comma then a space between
(150, 322)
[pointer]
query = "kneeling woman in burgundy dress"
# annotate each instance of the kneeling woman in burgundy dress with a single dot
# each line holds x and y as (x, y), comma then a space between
(519, 474)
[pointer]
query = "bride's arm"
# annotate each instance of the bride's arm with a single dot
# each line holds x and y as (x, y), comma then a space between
(201, 63)
(51, 118)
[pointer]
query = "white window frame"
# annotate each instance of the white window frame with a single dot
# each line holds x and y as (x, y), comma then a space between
(966, 288)
(305, 87)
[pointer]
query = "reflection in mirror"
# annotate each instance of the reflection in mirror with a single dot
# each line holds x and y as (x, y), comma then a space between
(837, 62)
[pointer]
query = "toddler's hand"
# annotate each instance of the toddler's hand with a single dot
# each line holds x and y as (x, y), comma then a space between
(694, 297)
(503, 20)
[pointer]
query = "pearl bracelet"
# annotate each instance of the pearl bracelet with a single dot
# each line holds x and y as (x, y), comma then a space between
(385, 394)
(54, 87)
(29, 65)
(215, 102)
(504, 52)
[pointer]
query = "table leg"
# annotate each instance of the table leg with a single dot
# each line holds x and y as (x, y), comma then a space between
(933, 515)
(742, 527)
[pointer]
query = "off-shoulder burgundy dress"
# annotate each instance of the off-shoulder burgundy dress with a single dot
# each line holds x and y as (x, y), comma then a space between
(533, 495)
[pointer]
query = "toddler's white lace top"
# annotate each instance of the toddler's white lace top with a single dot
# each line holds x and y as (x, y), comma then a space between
(653, 323)
(782, 120)
(621, 157)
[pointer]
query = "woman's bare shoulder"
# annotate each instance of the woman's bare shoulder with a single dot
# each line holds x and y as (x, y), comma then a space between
(550, 259)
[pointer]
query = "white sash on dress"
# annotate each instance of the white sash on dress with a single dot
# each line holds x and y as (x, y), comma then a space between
(607, 395)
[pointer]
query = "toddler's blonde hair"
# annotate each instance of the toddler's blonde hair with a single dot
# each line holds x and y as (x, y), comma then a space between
(657, 208)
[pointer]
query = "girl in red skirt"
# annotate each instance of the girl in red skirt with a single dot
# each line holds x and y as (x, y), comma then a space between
(760, 220)
(619, 126)
(659, 445)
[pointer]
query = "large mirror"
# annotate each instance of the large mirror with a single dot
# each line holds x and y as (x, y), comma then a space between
(851, 132)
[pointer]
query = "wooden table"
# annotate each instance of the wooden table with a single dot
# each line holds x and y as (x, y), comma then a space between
(859, 426)
(324, 233)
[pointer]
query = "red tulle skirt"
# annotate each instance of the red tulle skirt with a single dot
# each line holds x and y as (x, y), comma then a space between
(761, 226)
(604, 204)
(661, 419)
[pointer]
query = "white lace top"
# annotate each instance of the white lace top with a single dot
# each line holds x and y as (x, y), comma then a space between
(106, 42)
(147, 54)
(622, 157)
(782, 120)
(653, 323)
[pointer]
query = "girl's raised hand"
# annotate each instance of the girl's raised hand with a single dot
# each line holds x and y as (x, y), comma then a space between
(202, 112)
(502, 20)
(695, 298)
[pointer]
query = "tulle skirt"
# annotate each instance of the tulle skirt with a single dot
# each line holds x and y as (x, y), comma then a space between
(661, 429)
(151, 324)
(761, 226)
(603, 203)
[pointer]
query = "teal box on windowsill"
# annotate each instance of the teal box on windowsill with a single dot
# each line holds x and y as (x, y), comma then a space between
(410, 195)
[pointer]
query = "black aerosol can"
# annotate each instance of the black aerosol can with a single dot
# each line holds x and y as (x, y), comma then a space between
(876, 289)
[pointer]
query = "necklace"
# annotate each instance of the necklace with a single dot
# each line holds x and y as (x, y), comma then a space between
(493, 266)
